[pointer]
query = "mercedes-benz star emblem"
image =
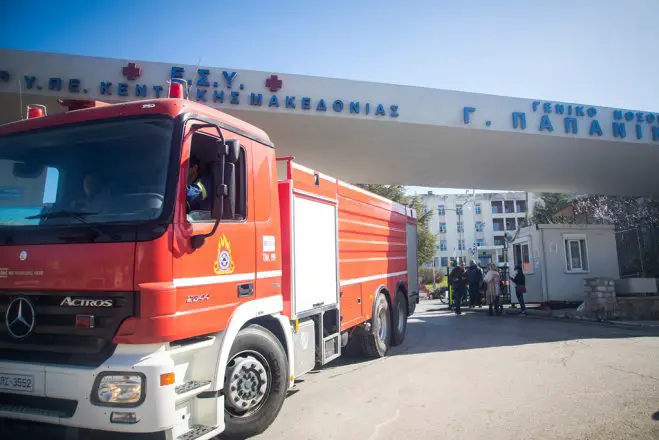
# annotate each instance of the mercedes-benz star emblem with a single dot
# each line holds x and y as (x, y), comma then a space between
(20, 318)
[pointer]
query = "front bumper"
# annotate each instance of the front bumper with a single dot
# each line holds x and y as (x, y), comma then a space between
(61, 395)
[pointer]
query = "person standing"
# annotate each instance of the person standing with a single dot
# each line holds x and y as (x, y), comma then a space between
(458, 280)
(493, 289)
(475, 276)
(520, 288)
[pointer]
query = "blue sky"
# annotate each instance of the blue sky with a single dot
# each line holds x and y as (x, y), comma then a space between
(600, 52)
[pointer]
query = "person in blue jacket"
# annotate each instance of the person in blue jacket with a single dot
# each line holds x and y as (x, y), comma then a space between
(199, 184)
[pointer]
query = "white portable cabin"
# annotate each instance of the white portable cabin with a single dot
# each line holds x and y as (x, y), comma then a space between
(557, 258)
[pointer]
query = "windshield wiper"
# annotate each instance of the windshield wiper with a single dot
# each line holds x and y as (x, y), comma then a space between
(78, 215)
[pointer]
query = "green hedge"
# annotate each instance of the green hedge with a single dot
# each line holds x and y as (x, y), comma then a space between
(425, 275)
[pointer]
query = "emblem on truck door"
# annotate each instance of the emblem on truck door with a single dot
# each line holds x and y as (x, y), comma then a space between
(22, 256)
(224, 261)
(20, 318)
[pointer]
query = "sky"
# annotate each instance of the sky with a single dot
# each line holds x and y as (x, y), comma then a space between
(598, 52)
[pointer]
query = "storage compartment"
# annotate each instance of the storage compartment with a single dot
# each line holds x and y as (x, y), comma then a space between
(304, 347)
(315, 283)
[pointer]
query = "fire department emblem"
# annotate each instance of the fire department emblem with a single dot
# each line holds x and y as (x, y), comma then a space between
(224, 262)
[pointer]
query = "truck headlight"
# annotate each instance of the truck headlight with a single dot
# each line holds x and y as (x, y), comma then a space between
(119, 389)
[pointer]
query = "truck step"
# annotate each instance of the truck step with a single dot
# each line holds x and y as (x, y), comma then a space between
(199, 432)
(191, 388)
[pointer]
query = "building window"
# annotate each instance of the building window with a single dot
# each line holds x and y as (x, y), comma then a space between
(509, 206)
(522, 256)
(443, 245)
(510, 224)
(444, 262)
(497, 207)
(461, 227)
(440, 210)
(478, 208)
(480, 226)
(461, 245)
(497, 224)
(521, 206)
(480, 242)
(576, 254)
(499, 241)
(458, 209)
(442, 227)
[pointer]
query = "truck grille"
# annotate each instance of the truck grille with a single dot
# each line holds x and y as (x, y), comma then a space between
(55, 338)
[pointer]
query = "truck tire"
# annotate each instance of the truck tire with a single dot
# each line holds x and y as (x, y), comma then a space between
(255, 383)
(399, 327)
(376, 343)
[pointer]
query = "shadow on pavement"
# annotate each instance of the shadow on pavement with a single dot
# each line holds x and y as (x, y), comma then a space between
(433, 330)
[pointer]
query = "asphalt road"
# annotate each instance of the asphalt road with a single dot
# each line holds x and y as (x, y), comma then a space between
(475, 376)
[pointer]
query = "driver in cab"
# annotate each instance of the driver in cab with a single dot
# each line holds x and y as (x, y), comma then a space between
(198, 187)
(96, 195)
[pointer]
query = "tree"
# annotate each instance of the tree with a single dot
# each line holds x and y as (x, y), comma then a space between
(426, 241)
(547, 210)
(623, 212)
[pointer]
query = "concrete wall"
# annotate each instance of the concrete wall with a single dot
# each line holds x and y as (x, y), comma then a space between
(602, 259)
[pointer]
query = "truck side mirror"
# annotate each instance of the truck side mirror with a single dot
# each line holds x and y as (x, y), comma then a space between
(218, 188)
(232, 150)
(229, 208)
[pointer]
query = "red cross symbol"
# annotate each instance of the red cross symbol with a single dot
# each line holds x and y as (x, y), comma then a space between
(132, 72)
(274, 83)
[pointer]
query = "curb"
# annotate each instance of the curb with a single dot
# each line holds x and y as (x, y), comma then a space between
(579, 319)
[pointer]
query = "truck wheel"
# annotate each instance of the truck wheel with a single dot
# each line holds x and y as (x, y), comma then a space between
(255, 383)
(400, 320)
(376, 343)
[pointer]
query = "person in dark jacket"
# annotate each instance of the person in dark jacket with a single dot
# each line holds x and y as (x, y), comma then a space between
(520, 288)
(475, 277)
(458, 280)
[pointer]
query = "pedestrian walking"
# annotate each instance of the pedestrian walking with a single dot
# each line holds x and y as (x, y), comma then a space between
(475, 277)
(493, 290)
(458, 280)
(520, 288)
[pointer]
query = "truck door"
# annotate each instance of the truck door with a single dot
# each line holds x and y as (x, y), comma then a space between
(212, 280)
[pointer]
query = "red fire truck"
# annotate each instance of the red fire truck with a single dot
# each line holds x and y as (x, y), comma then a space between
(127, 308)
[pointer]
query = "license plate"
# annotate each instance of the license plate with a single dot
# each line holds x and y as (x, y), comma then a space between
(17, 382)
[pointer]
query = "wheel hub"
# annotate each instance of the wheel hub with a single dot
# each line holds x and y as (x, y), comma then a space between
(247, 383)
(382, 333)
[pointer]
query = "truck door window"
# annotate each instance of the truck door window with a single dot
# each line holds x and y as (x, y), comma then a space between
(198, 203)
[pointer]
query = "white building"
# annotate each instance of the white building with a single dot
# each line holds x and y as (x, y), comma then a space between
(473, 226)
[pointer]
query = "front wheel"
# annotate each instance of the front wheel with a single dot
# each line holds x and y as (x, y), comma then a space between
(255, 383)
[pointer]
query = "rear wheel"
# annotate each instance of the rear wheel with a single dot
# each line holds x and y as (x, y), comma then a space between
(376, 343)
(255, 383)
(400, 320)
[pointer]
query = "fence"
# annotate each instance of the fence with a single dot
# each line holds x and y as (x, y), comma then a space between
(638, 252)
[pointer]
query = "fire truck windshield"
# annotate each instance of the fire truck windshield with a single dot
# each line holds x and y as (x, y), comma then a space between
(108, 171)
